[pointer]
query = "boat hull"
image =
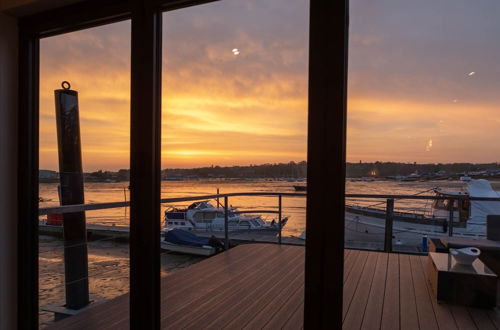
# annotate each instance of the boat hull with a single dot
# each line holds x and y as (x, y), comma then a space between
(186, 249)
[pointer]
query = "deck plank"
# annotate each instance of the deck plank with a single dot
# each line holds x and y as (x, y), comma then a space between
(354, 316)
(481, 319)
(463, 319)
(494, 316)
(282, 314)
(373, 313)
(352, 281)
(408, 306)
(350, 262)
(442, 312)
(390, 309)
(425, 312)
(296, 321)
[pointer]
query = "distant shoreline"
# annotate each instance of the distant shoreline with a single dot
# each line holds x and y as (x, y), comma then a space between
(298, 171)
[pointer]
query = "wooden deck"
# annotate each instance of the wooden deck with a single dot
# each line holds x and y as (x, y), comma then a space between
(262, 286)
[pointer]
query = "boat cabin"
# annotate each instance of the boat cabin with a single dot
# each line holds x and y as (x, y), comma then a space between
(204, 216)
(461, 207)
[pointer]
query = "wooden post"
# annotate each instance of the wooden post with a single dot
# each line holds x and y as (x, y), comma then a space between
(226, 224)
(72, 192)
(218, 203)
(279, 217)
(324, 264)
(388, 225)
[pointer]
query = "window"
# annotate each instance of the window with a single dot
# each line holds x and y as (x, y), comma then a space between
(96, 64)
(144, 311)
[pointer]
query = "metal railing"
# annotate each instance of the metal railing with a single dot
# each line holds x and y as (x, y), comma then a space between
(389, 209)
(217, 197)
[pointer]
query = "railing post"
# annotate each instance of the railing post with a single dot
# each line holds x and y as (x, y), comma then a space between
(226, 229)
(388, 225)
(450, 219)
(279, 218)
(218, 204)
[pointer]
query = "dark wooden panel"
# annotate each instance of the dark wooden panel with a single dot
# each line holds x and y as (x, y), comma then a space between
(90, 13)
(326, 163)
(145, 162)
(28, 128)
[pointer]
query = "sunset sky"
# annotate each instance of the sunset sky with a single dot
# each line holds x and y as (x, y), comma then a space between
(423, 84)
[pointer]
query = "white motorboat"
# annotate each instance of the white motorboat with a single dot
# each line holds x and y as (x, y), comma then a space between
(206, 217)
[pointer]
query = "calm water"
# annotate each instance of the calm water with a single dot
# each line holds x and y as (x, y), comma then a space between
(293, 207)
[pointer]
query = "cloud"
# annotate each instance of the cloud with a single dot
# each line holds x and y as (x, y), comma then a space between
(417, 69)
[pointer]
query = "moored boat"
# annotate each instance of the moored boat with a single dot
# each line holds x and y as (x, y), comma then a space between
(181, 241)
(469, 216)
(206, 217)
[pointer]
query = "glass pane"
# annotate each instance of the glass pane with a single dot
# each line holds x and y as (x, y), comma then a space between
(234, 121)
(96, 63)
(423, 84)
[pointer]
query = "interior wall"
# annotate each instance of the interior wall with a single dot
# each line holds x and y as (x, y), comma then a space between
(8, 170)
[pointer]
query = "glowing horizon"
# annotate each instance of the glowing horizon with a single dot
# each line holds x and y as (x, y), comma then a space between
(421, 88)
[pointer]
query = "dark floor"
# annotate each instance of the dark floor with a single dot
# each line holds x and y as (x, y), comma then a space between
(262, 286)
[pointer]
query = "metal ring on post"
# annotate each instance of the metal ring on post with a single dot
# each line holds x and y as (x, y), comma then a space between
(66, 85)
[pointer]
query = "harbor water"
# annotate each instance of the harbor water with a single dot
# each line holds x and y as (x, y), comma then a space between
(294, 207)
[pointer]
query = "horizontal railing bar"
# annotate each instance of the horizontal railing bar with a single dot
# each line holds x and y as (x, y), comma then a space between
(423, 197)
(257, 211)
(101, 206)
(81, 207)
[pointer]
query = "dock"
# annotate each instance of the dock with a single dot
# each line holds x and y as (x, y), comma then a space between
(121, 233)
(262, 286)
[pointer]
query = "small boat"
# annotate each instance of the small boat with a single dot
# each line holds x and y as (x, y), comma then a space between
(300, 188)
(206, 217)
(177, 240)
